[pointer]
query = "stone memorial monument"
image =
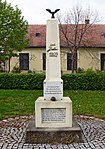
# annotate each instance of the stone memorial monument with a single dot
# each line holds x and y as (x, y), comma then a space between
(53, 112)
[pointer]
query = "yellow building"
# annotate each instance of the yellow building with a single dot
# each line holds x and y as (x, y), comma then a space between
(90, 55)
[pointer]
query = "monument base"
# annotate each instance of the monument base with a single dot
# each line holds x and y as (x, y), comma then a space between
(53, 123)
(64, 135)
(53, 113)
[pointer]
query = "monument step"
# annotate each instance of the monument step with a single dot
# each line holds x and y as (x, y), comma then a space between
(53, 135)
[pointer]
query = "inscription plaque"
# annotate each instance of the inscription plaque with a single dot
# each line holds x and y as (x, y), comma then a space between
(53, 115)
(53, 90)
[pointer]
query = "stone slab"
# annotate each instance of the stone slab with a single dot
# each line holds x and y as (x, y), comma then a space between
(53, 135)
(53, 113)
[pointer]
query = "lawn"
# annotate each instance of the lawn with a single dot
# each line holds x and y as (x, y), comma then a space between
(21, 102)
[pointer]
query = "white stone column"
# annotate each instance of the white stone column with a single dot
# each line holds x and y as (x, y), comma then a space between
(53, 84)
(53, 70)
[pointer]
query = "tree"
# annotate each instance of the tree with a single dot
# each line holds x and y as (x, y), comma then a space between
(13, 30)
(74, 32)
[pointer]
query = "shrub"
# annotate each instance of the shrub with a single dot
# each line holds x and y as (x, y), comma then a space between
(84, 81)
(29, 81)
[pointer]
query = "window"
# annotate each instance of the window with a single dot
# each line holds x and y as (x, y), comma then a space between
(102, 61)
(37, 34)
(69, 61)
(24, 61)
(44, 61)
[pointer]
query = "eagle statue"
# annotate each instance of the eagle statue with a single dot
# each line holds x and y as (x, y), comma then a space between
(52, 12)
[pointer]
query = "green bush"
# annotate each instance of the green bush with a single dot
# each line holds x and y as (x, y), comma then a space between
(29, 81)
(84, 81)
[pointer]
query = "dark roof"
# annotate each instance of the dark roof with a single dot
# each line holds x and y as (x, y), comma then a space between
(93, 38)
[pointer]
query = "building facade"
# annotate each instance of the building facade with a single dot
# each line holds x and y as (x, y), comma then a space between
(33, 57)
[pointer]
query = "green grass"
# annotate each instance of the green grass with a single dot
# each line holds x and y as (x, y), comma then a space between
(21, 102)
(90, 103)
(17, 102)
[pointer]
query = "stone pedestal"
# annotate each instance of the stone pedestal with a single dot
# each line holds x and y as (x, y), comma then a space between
(53, 123)
(53, 113)
(53, 135)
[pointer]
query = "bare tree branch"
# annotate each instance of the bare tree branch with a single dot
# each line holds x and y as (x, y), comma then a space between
(76, 27)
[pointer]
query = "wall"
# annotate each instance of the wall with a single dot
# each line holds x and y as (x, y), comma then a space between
(35, 59)
(87, 58)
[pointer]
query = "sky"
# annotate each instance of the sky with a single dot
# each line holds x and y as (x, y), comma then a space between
(34, 11)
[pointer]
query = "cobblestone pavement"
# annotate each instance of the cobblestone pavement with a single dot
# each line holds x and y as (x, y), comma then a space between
(12, 134)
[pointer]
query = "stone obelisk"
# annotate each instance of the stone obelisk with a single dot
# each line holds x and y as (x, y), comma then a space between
(53, 110)
(53, 84)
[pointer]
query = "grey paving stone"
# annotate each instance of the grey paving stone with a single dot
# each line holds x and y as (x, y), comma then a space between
(91, 145)
(1, 144)
(13, 131)
(71, 146)
(98, 147)
(5, 145)
(81, 145)
(25, 147)
(54, 146)
(48, 145)
(60, 146)
(75, 144)
(65, 146)
(102, 146)
(15, 145)
(43, 147)
(86, 145)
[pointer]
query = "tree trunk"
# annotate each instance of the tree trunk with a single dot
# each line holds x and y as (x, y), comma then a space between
(74, 61)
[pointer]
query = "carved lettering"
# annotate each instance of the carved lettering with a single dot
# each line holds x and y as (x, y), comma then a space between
(53, 115)
(53, 54)
(53, 90)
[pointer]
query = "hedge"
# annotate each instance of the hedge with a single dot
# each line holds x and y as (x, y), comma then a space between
(31, 81)
(27, 81)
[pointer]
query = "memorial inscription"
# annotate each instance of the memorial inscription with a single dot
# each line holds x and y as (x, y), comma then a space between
(53, 114)
(53, 90)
